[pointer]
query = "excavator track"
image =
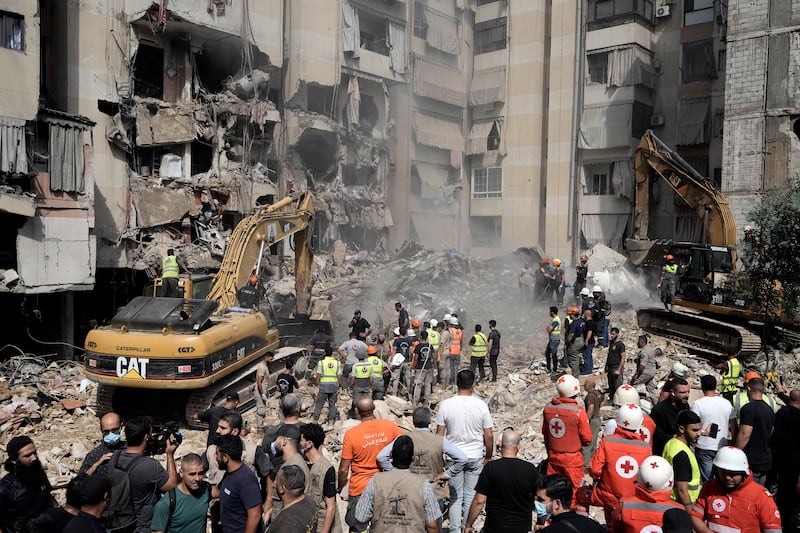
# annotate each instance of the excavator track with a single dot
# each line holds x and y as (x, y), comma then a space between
(242, 382)
(698, 333)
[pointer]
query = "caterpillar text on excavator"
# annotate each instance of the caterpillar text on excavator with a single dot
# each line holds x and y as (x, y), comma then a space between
(181, 355)
(717, 315)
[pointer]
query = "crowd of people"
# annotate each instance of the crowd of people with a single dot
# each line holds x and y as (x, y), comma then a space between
(722, 463)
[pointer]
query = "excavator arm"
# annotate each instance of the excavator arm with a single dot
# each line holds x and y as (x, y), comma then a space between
(655, 160)
(266, 227)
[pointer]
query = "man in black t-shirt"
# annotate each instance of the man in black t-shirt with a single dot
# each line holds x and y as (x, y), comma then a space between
(299, 514)
(212, 415)
(494, 347)
(615, 362)
(25, 490)
(286, 381)
(589, 338)
(757, 419)
(422, 361)
(239, 492)
(361, 328)
(507, 486)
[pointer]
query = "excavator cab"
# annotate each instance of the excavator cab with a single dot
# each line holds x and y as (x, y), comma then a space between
(703, 271)
(194, 286)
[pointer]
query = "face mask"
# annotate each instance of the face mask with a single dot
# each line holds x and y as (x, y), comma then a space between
(111, 439)
(303, 452)
(275, 451)
(541, 510)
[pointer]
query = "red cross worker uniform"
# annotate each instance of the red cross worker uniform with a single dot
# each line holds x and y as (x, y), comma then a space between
(643, 512)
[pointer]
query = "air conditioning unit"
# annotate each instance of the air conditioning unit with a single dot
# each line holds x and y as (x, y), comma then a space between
(662, 11)
(656, 120)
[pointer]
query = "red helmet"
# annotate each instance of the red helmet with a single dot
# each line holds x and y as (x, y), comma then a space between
(545, 261)
(584, 258)
(669, 257)
(253, 279)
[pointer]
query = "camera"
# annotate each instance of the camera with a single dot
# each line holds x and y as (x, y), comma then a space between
(160, 436)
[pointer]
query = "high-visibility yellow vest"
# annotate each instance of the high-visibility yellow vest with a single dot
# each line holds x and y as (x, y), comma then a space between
(362, 370)
(169, 267)
(730, 378)
(330, 370)
(671, 269)
(479, 348)
(673, 448)
(742, 399)
(377, 366)
(557, 328)
(433, 338)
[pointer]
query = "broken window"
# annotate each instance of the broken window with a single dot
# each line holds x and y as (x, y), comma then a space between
(490, 35)
(373, 31)
(486, 232)
(698, 61)
(487, 182)
(367, 114)
(356, 175)
(320, 99)
(420, 26)
(604, 13)
(598, 180)
(722, 58)
(217, 63)
(12, 31)
(150, 160)
(148, 68)
(640, 120)
(201, 157)
(598, 68)
(697, 11)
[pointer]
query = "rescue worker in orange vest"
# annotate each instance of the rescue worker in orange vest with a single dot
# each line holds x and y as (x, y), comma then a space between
(645, 510)
(566, 431)
(622, 396)
(454, 359)
(731, 501)
(616, 461)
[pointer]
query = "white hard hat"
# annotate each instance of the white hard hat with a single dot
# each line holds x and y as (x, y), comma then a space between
(453, 321)
(626, 394)
(447, 317)
(397, 331)
(748, 228)
(655, 474)
(411, 333)
(630, 417)
(434, 322)
(732, 459)
(681, 370)
(585, 291)
(597, 288)
(398, 359)
(568, 386)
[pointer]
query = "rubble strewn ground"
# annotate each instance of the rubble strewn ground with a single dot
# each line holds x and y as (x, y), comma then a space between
(53, 403)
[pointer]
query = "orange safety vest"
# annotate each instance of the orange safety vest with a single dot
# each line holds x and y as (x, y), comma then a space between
(615, 465)
(748, 508)
(455, 342)
(648, 429)
(565, 427)
(644, 511)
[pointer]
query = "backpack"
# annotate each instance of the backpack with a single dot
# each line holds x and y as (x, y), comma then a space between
(120, 513)
(173, 502)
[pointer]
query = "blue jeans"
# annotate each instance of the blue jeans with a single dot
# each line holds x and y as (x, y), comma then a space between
(551, 355)
(462, 490)
(588, 363)
(606, 327)
(704, 460)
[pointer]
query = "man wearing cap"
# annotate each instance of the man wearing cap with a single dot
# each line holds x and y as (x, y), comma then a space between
(678, 451)
(743, 397)
(95, 492)
(248, 295)
(731, 501)
(212, 415)
(25, 490)
(329, 378)
(715, 413)
(285, 445)
(757, 419)
(360, 326)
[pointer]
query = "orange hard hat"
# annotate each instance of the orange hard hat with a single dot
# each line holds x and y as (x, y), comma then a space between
(545, 261)
(371, 350)
(573, 310)
(415, 323)
(751, 375)
(669, 257)
(253, 279)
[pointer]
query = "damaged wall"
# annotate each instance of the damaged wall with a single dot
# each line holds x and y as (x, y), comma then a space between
(313, 53)
(20, 55)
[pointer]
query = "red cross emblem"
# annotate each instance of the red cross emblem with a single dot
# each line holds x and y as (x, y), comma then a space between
(627, 467)
(718, 505)
(654, 464)
(557, 428)
(645, 433)
(651, 529)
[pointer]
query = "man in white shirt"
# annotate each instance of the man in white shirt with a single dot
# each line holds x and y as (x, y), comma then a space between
(466, 422)
(715, 414)
(349, 351)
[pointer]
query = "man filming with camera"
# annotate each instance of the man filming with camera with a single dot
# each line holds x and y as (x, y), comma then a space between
(148, 479)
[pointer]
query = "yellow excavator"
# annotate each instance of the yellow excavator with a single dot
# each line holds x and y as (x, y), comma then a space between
(185, 354)
(718, 318)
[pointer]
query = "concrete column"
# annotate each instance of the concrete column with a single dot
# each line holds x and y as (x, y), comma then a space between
(68, 324)
(399, 186)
